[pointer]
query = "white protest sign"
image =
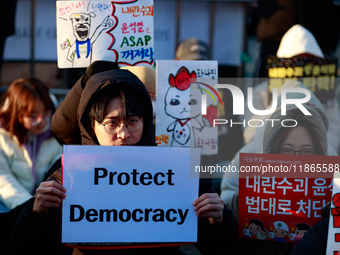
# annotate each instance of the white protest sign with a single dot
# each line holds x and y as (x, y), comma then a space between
(119, 31)
(184, 90)
(333, 239)
(129, 194)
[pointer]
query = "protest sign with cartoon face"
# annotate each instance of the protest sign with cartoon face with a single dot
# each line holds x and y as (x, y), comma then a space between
(117, 31)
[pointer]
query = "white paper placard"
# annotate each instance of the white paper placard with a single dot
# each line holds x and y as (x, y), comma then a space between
(118, 31)
(129, 194)
(179, 119)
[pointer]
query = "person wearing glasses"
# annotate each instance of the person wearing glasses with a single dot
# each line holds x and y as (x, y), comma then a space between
(307, 135)
(27, 146)
(114, 109)
(230, 184)
(300, 140)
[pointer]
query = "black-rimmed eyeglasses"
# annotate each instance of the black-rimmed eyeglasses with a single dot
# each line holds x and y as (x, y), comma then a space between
(133, 124)
(307, 151)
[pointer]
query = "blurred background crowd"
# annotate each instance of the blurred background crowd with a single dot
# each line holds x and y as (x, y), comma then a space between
(239, 33)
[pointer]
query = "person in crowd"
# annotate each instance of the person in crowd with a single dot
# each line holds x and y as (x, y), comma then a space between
(27, 146)
(296, 42)
(69, 111)
(308, 137)
(277, 16)
(147, 75)
(108, 99)
(28, 150)
(193, 49)
(229, 183)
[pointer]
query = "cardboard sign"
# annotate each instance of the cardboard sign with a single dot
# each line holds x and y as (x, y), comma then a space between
(333, 239)
(118, 31)
(184, 88)
(283, 194)
(129, 194)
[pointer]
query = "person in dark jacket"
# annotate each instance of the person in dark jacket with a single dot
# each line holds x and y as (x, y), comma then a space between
(109, 99)
(315, 240)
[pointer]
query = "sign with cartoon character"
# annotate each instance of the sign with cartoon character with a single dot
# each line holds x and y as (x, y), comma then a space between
(333, 239)
(118, 31)
(184, 88)
(282, 196)
(255, 228)
(297, 231)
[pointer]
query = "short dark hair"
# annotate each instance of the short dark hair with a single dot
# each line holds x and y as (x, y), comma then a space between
(132, 103)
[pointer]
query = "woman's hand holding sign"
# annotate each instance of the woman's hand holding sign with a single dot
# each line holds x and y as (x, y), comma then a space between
(211, 206)
(49, 194)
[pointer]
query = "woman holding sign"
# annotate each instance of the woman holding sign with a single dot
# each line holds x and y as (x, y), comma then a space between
(230, 183)
(302, 135)
(114, 109)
